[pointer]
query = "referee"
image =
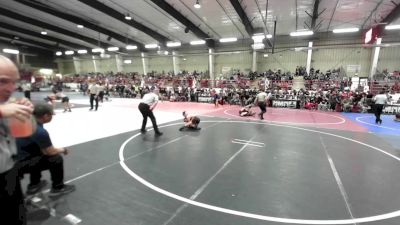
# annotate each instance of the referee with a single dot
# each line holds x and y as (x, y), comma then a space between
(380, 102)
(146, 106)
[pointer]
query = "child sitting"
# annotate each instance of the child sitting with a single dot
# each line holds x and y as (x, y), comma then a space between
(191, 122)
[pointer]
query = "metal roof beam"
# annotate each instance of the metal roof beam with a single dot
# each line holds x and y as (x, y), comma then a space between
(315, 14)
(27, 49)
(77, 20)
(243, 17)
(121, 17)
(393, 15)
(182, 19)
(47, 46)
(45, 37)
(372, 12)
(28, 20)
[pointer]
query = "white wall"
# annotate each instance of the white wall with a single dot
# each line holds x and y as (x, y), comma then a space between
(327, 59)
(135, 66)
(241, 61)
(160, 63)
(389, 58)
(192, 63)
(327, 55)
(286, 61)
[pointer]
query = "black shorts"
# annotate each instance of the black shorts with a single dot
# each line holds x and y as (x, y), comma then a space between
(64, 99)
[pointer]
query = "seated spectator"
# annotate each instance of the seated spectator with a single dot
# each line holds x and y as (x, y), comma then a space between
(37, 153)
(191, 122)
(323, 105)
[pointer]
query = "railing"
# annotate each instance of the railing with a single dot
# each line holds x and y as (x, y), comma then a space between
(377, 86)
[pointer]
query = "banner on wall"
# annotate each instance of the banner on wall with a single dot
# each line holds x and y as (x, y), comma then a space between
(353, 68)
(355, 81)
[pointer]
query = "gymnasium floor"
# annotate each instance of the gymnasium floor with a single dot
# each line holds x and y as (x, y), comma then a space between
(295, 167)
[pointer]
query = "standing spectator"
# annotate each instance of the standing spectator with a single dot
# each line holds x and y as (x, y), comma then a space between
(380, 101)
(37, 153)
(11, 198)
(94, 95)
(146, 106)
(26, 88)
(261, 101)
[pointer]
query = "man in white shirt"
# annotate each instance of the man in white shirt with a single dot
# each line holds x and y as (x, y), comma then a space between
(261, 101)
(94, 95)
(146, 106)
(380, 101)
(26, 88)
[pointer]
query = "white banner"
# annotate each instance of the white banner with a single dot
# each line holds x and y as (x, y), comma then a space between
(353, 68)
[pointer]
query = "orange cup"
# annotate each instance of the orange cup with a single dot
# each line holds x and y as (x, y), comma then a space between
(19, 129)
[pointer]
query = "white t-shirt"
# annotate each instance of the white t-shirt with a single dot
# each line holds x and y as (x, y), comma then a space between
(94, 89)
(150, 98)
(261, 96)
(380, 99)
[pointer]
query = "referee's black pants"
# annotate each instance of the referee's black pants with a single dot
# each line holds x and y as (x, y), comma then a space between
(378, 112)
(95, 99)
(146, 112)
(262, 108)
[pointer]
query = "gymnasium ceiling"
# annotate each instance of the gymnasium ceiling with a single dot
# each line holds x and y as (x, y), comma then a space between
(160, 21)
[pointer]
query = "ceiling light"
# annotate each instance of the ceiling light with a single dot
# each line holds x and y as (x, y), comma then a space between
(166, 53)
(269, 36)
(197, 5)
(69, 52)
(392, 27)
(131, 47)
(173, 44)
(95, 50)
(346, 30)
(112, 49)
(298, 49)
(79, 26)
(44, 32)
(151, 46)
(46, 71)
(11, 51)
(128, 61)
(227, 39)
(301, 33)
(265, 55)
(198, 42)
(58, 53)
(128, 17)
(83, 51)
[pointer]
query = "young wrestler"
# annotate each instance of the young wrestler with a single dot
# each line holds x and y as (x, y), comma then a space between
(397, 117)
(191, 122)
(246, 111)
